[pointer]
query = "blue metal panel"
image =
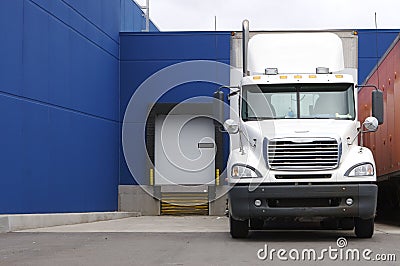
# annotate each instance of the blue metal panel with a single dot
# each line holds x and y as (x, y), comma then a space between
(110, 19)
(35, 49)
(57, 160)
(59, 105)
(138, 157)
(133, 73)
(365, 67)
(153, 27)
(189, 90)
(96, 75)
(72, 18)
(368, 54)
(175, 46)
(367, 42)
(133, 18)
(102, 14)
(11, 13)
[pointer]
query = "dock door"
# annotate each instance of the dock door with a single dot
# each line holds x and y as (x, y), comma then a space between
(185, 152)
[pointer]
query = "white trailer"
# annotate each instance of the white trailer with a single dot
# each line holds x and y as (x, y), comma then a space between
(294, 132)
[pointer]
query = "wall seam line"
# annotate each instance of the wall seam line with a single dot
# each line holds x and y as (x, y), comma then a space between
(85, 18)
(73, 29)
(55, 106)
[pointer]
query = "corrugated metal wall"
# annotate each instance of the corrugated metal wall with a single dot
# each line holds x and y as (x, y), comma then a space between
(59, 101)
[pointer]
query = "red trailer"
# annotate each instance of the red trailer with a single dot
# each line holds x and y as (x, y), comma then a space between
(385, 143)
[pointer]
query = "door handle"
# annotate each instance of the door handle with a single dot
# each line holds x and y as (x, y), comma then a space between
(205, 145)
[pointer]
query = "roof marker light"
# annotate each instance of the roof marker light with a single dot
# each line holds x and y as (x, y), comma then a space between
(283, 77)
(322, 70)
(339, 76)
(271, 71)
(312, 76)
(298, 76)
(257, 77)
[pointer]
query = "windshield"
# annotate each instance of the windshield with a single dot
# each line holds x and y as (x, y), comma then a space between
(308, 101)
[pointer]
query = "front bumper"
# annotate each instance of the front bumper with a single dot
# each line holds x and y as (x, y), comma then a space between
(303, 201)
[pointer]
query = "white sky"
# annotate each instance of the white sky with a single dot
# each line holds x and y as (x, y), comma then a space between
(182, 15)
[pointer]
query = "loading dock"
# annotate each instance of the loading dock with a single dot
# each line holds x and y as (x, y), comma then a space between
(186, 181)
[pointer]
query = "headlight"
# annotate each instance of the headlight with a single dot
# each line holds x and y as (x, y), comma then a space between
(244, 171)
(364, 169)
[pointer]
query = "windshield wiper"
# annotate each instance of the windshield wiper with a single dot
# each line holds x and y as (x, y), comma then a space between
(259, 118)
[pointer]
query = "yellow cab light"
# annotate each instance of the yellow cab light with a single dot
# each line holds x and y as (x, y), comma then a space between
(312, 76)
(339, 76)
(298, 76)
(283, 77)
(257, 77)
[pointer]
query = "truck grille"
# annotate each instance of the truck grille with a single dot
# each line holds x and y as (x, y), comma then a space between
(303, 154)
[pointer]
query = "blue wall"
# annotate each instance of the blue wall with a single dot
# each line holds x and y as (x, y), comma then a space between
(144, 54)
(132, 18)
(59, 101)
(368, 51)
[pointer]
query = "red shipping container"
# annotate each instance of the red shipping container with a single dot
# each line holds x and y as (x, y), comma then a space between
(385, 143)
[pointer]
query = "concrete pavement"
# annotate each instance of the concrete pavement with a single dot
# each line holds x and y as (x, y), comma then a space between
(14, 222)
(161, 224)
(191, 240)
(188, 240)
(169, 224)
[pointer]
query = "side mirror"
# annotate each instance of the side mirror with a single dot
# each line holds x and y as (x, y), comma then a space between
(218, 106)
(377, 105)
(371, 124)
(231, 126)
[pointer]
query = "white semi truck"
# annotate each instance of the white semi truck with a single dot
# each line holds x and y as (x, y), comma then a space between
(294, 135)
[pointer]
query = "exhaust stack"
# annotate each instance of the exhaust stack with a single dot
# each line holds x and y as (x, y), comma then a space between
(245, 39)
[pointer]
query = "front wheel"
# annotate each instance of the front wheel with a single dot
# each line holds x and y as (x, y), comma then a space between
(238, 229)
(364, 228)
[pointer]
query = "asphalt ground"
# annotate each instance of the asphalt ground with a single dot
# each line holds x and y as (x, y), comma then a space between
(191, 240)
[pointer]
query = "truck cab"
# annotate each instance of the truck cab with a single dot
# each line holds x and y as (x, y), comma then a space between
(294, 136)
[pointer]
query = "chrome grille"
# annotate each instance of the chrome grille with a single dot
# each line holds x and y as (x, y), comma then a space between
(303, 154)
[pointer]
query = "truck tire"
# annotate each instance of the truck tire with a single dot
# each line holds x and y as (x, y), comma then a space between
(239, 229)
(364, 228)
